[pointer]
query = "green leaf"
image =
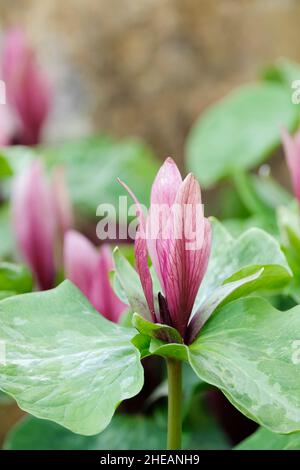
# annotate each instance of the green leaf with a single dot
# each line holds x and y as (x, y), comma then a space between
(288, 218)
(5, 399)
(6, 235)
(261, 194)
(128, 285)
(250, 351)
(239, 132)
(156, 330)
(19, 156)
(221, 295)
(5, 168)
(237, 227)
(263, 439)
(64, 361)
(14, 278)
(283, 71)
(93, 165)
(124, 433)
(172, 350)
(7, 293)
(238, 267)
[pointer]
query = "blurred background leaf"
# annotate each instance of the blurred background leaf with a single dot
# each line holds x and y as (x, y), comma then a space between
(239, 132)
(263, 439)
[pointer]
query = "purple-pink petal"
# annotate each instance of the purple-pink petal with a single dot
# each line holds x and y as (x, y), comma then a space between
(183, 254)
(166, 183)
(141, 254)
(163, 194)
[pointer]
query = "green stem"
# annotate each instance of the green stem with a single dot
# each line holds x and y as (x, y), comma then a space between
(174, 403)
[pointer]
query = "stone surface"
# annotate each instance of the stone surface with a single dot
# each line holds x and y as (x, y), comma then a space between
(149, 67)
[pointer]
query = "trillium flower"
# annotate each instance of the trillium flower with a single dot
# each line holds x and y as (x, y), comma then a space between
(291, 145)
(28, 92)
(177, 237)
(88, 268)
(38, 213)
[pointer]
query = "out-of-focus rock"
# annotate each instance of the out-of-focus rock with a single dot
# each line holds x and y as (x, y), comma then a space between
(149, 67)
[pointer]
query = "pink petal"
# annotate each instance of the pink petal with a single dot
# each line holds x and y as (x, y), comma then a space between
(141, 254)
(80, 261)
(163, 194)
(166, 183)
(62, 203)
(102, 295)
(291, 147)
(34, 223)
(183, 260)
(28, 90)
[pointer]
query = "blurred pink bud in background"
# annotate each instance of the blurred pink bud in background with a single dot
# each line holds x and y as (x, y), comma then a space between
(291, 146)
(88, 268)
(28, 91)
(34, 223)
(37, 221)
(62, 202)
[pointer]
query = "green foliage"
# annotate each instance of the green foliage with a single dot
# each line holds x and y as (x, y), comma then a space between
(14, 279)
(263, 439)
(239, 132)
(92, 166)
(6, 235)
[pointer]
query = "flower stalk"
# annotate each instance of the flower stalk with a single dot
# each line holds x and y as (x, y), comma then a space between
(174, 369)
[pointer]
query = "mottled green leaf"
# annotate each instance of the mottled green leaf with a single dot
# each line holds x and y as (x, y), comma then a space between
(64, 361)
(237, 267)
(251, 352)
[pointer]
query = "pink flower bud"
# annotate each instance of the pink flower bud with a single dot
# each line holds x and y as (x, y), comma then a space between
(88, 268)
